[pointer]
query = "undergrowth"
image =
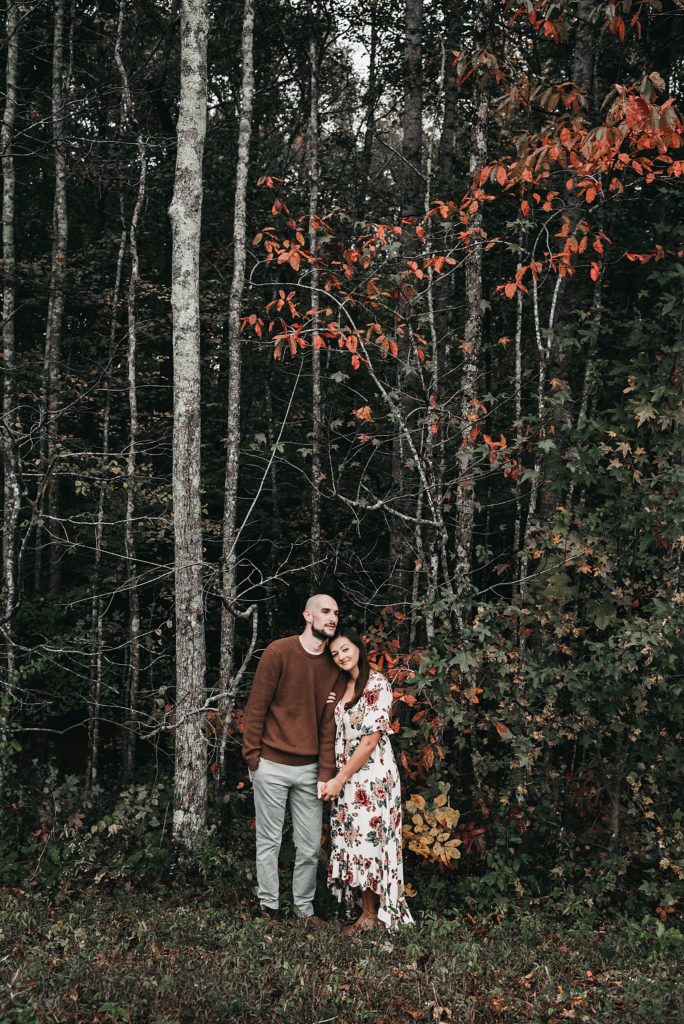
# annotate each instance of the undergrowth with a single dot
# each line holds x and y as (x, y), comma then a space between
(176, 958)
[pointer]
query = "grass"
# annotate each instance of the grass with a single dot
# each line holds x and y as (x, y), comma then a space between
(177, 957)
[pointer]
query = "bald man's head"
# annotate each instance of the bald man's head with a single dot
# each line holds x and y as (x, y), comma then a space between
(321, 614)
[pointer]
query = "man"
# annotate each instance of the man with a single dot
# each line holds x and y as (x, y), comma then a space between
(289, 747)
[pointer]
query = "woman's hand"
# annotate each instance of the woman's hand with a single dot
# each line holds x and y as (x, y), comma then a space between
(333, 788)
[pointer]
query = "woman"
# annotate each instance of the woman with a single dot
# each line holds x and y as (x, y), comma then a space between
(365, 817)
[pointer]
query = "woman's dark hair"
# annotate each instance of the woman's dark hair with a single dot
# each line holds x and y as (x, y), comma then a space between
(349, 633)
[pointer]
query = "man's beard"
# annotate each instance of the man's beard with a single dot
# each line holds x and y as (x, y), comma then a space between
(320, 634)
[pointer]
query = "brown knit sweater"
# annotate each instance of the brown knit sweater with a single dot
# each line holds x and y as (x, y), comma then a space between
(287, 718)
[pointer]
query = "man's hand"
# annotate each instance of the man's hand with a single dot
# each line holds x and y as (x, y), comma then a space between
(320, 786)
(333, 788)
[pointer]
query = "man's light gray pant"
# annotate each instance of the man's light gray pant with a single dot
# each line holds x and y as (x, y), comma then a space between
(273, 785)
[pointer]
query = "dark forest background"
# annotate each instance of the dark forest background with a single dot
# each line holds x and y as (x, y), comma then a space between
(463, 244)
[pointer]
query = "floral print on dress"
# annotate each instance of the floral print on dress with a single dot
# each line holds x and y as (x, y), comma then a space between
(365, 819)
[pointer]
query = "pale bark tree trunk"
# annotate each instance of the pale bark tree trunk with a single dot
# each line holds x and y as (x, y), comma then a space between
(517, 529)
(11, 488)
(545, 347)
(53, 331)
(133, 682)
(472, 344)
(427, 559)
(190, 783)
(229, 552)
(316, 397)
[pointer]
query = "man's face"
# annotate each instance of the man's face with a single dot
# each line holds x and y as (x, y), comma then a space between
(323, 618)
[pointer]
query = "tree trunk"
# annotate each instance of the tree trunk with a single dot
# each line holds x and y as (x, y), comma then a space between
(11, 489)
(53, 331)
(404, 482)
(97, 603)
(412, 117)
(229, 552)
(583, 53)
(371, 102)
(517, 529)
(190, 790)
(472, 344)
(444, 176)
(583, 64)
(133, 685)
(316, 398)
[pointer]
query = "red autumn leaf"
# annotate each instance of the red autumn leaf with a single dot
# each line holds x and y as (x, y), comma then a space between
(595, 271)
(364, 412)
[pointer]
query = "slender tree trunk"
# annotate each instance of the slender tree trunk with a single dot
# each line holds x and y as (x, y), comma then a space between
(97, 603)
(584, 50)
(11, 488)
(371, 102)
(517, 529)
(442, 290)
(133, 684)
(229, 552)
(404, 482)
(277, 527)
(190, 791)
(545, 347)
(472, 344)
(131, 459)
(444, 177)
(316, 396)
(427, 562)
(583, 64)
(595, 319)
(53, 331)
(412, 116)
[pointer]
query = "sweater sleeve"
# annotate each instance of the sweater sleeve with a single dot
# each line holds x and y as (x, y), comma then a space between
(264, 686)
(326, 737)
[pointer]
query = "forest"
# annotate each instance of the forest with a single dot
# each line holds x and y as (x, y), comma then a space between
(381, 301)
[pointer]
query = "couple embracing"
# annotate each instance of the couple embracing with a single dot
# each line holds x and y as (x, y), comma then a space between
(316, 727)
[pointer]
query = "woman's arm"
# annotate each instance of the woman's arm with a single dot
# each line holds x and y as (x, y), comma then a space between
(367, 745)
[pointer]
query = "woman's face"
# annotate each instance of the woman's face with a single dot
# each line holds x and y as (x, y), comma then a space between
(344, 653)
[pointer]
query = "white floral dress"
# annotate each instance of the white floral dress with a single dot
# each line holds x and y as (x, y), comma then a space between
(365, 819)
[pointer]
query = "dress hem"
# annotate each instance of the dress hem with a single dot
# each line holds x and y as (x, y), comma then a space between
(342, 890)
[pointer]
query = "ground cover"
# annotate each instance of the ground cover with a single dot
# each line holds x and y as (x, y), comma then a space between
(175, 957)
